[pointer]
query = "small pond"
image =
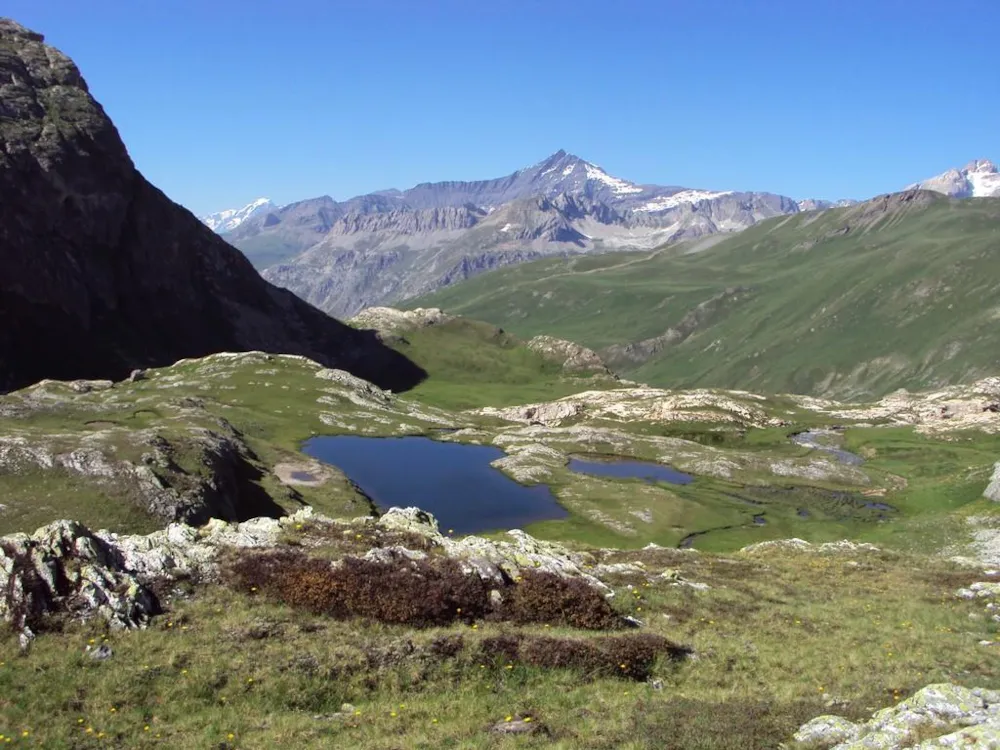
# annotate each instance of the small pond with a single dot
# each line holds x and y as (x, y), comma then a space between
(627, 469)
(454, 481)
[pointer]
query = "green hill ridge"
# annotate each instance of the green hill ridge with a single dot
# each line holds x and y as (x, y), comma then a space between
(900, 291)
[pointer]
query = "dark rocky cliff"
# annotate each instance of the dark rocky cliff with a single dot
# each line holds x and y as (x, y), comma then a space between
(100, 272)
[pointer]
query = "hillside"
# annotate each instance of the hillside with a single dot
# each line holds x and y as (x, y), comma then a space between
(900, 291)
(102, 273)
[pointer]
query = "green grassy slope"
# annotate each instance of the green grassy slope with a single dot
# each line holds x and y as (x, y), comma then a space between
(472, 364)
(848, 303)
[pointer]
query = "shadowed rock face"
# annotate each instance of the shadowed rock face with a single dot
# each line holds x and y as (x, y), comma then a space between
(102, 273)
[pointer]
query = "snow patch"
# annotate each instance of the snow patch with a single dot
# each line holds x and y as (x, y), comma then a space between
(569, 170)
(506, 227)
(984, 184)
(620, 187)
(684, 196)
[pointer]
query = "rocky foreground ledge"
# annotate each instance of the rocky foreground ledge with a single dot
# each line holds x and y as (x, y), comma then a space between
(65, 567)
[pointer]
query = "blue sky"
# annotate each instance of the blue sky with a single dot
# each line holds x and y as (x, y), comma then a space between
(220, 101)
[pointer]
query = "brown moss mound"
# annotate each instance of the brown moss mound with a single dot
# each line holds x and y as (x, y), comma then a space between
(542, 597)
(421, 593)
(630, 657)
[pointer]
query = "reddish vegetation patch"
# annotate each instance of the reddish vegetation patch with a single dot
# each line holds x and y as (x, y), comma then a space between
(433, 591)
(549, 598)
(630, 656)
(421, 593)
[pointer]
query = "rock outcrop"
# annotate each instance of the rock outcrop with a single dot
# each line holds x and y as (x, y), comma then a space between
(67, 569)
(103, 273)
(975, 406)
(938, 716)
(992, 491)
(226, 488)
(573, 357)
(389, 320)
(644, 404)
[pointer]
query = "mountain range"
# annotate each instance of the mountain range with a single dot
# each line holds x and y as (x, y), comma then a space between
(386, 246)
(396, 244)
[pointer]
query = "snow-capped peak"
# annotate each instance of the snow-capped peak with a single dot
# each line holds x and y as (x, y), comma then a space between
(565, 171)
(977, 179)
(981, 166)
(226, 221)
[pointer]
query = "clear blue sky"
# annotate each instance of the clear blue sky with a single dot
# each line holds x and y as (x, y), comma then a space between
(220, 101)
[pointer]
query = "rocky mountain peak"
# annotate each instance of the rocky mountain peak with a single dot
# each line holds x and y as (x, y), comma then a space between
(102, 272)
(11, 28)
(982, 166)
(977, 179)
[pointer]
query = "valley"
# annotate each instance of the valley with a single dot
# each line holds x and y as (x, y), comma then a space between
(637, 467)
(705, 563)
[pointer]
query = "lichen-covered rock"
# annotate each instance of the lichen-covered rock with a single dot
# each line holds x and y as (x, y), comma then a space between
(992, 491)
(825, 732)
(361, 391)
(950, 409)
(980, 590)
(66, 568)
(937, 716)
(530, 462)
(493, 559)
(644, 404)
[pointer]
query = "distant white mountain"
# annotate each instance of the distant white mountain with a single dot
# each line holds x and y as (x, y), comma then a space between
(226, 221)
(977, 179)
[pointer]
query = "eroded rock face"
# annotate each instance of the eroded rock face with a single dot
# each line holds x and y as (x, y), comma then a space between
(938, 716)
(103, 273)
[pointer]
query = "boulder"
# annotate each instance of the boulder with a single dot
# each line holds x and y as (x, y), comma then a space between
(937, 716)
(992, 491)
